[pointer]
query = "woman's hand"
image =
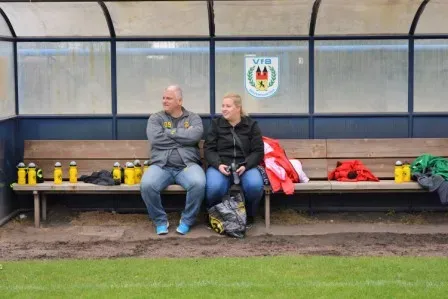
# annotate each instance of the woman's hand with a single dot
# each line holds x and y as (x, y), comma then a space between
(241, 170)
(223, 169)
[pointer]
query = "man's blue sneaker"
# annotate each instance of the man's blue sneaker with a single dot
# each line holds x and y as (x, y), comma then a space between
(183, 229)
(162, 229)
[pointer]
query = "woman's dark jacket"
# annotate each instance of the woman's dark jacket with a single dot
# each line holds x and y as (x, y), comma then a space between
(221, 148)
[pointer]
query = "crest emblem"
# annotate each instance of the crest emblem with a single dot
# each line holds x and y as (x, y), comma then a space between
(261, 76)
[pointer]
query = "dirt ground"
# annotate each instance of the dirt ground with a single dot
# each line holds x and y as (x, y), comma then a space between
(68, 234)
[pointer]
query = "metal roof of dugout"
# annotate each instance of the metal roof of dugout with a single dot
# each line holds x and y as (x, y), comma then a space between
(221, 20)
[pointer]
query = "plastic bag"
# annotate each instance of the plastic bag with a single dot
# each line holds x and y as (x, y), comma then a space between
(229, 216)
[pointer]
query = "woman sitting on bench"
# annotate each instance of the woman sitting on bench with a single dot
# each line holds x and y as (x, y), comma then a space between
(233, 150)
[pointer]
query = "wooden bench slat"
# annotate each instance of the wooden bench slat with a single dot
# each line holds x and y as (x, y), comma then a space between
(49, 186)
(304, 148)
(80, 149)
(385, 185)
(386, 148)
(312, 186)
(93, 149)
(315, 169)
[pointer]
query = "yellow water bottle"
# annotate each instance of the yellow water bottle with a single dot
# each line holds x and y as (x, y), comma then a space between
(398, 173)
(32, 174)
(57, 173)
(145, 166)
(406, 172)
(138, 171)
(73, 172)
(126, 173)
(21, 174)
(129, 174)
(116, 173)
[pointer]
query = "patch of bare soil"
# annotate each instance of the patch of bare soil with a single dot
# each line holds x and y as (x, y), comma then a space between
(100, 234)
(342, 244)
(291, 217)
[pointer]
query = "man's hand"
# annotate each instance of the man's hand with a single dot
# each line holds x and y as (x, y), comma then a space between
(223, 169)
(241, 170)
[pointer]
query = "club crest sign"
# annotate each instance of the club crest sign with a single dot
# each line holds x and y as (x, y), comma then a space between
(261, 76)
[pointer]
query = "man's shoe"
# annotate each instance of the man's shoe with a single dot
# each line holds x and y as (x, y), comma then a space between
(162, 229)
(183, 229)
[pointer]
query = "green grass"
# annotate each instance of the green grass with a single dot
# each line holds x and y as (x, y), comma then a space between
(264, 277)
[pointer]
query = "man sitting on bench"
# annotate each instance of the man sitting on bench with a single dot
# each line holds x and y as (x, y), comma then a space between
(174, 135)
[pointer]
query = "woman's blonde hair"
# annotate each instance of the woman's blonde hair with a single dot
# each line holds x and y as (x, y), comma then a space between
(237, 100)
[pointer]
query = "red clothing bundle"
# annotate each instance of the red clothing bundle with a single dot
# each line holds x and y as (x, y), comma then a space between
(351, 171)
(280, 172)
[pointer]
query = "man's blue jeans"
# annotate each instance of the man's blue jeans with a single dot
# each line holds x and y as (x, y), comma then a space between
(156, 179)
(218, 185)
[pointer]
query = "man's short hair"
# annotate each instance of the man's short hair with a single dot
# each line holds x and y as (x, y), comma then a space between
(177, 90)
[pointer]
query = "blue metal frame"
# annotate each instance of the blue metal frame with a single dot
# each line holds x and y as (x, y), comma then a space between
(212, 70)
(411, 87)
(313, 21)
(16, 78)
(212, 39)
(417, 16)
(379, 115)
(108, 18)
(163, 38)
(139, 116)
(62, 39)
(311, 88)
(65, 116)
(8, 22)
(113, 69)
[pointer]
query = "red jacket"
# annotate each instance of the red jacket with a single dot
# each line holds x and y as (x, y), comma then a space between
(280, 172)
(351, 171)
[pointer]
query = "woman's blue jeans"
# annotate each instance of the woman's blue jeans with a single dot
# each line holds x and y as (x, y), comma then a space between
(217, 185)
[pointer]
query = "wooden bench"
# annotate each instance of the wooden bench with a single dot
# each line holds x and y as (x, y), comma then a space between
(317, 157)
(94, 155)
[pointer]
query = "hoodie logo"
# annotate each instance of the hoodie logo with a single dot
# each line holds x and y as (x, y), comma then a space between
(167, 124)
(186, 124)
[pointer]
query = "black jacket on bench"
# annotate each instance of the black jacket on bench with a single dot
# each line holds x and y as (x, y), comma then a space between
(220, 146)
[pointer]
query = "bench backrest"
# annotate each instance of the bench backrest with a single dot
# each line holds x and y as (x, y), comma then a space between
(318, 156)
(311, 153)
(90, 155)
(93, 155)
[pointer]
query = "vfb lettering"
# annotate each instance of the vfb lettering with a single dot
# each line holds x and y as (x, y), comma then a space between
(262, 61)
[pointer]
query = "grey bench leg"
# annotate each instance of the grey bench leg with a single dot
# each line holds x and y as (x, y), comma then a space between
(44, 206)
(36, 209)
(267, 209)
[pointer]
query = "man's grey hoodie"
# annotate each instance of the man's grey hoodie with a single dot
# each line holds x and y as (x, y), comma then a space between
(164, 137)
